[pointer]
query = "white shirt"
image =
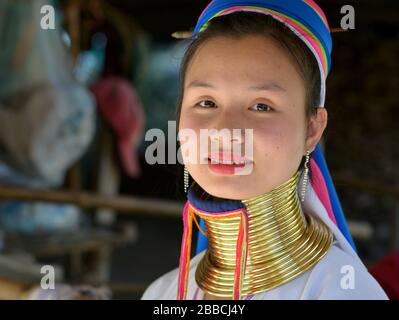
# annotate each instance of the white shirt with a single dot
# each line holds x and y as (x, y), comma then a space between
(340, 274)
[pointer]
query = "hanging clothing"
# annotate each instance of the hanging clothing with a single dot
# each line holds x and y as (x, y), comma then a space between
(121, 107)
(47, 118)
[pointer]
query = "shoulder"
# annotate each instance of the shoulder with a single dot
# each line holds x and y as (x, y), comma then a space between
(165, 287)
(159, 289)
(340, 275)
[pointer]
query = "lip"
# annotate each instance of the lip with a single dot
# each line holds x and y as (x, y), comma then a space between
(224, 168)
(227, 168)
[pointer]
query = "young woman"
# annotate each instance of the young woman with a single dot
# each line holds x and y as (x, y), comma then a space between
(273, 223)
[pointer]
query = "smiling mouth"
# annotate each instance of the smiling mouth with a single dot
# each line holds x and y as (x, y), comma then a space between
(231, 168)
(222, 163)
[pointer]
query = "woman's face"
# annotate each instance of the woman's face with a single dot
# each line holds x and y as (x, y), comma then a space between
(245, 83)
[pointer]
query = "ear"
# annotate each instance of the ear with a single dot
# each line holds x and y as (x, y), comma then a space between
(316, 125)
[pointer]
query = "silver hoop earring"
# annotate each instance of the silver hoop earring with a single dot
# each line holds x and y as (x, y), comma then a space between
(305, 176)
(185, 179)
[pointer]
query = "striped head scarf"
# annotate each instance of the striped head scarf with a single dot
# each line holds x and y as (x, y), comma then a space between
(306, 19)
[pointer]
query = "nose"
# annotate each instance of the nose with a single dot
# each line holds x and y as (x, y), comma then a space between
(226, 135)
(228, 125)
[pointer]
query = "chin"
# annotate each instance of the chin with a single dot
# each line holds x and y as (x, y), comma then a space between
(228, 191)
(233, 187)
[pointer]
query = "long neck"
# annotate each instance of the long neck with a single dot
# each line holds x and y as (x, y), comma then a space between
(282, 243)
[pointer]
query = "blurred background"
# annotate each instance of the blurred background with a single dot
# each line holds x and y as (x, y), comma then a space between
(76, 101)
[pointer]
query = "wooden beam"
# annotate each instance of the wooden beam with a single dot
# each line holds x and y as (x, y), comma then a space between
(86, 200)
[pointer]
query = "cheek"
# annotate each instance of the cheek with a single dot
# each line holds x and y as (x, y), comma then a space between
(195, 122)
(189, 119)
(189, 134)
(278, 140)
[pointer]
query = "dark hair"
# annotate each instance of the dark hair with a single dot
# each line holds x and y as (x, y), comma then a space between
(242, 23)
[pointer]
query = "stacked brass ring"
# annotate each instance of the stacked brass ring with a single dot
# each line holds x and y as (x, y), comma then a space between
(283, 243)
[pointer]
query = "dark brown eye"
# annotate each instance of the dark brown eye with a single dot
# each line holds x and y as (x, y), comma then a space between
(262, 107)
(206, 104)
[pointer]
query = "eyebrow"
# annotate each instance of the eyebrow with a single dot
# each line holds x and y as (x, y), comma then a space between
(199, 84)
(266, 86)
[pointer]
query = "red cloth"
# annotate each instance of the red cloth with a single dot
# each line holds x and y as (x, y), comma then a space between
(121, 108)
(386, 272)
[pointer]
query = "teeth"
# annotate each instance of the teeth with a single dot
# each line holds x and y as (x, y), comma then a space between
(227, 161)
